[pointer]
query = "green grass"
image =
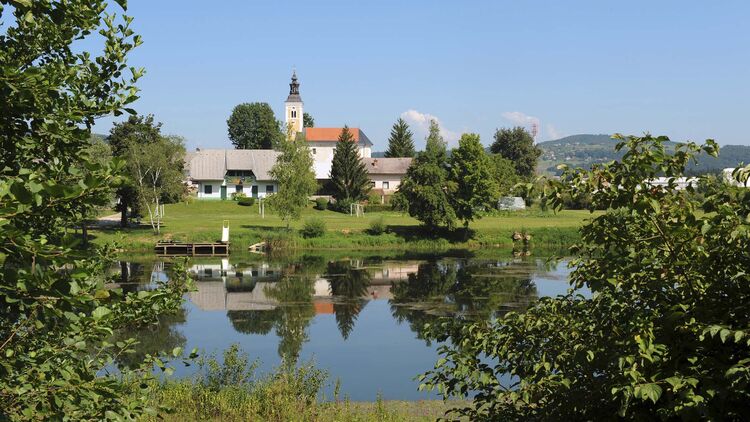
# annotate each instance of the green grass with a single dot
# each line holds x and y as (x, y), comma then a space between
(201, 221)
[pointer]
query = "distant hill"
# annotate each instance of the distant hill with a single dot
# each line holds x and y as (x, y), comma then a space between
(585, 150)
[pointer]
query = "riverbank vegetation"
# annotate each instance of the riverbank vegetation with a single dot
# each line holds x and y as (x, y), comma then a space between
(228, 389)
(201, 221)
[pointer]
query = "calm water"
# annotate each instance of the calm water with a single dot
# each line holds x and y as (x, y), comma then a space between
(360, 317)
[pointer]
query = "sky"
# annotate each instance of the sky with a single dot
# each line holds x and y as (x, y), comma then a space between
(675, 68)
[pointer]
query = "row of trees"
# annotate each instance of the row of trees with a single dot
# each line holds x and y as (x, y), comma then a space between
(440, 188)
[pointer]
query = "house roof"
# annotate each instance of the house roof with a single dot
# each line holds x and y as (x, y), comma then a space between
(330, 134)
(212, 164)
(387, 165)
(260, 161)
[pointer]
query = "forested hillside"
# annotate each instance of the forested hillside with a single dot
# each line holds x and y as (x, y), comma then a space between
(585, 150)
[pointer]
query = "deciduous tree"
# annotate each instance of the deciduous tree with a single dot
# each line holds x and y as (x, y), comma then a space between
(349, 176)
(294, 173)
(156, 174)
(400, 143)
(665, 331)
(254, 126)
(474, 187)
(56, 315)
(517, 145)
(504, 173)
(308, 120)
(136, 132)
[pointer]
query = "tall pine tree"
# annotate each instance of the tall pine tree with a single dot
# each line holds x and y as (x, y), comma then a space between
(348, 175)
(400, 144)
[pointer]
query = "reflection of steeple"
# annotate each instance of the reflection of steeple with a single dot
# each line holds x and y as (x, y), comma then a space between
(294, 96)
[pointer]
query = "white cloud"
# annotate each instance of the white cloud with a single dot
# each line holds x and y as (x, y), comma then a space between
(420, 124)
(553, 133)
(521, 119)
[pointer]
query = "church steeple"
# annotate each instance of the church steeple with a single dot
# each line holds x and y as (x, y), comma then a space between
(294, 89)
(294, 106)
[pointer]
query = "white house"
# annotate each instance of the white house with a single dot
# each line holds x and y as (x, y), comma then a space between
(220, 172)
(322, 142)
(386, 173)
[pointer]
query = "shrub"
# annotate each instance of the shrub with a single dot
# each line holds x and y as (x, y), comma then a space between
(237, 196)
(314, 227)
(377, 227)
(378, 207)
(246, 202)
(374, 198)
(399, 202)
(321, 204)
(343, 205)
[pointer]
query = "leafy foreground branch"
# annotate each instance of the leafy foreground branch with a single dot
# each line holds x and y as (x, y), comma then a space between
(57, 316)
(666, 332)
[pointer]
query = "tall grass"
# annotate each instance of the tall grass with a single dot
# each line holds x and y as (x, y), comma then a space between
(230, 390)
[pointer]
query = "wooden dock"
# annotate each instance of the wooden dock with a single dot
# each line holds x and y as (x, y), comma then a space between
(192, 249)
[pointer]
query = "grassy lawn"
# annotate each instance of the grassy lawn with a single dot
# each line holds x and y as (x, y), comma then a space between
(202, 220)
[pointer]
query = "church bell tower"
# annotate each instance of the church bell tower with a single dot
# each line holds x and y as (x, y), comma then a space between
(293, 111)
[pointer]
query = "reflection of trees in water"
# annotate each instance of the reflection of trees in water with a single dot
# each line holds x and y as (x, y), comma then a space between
(349, 287)
(290, 318)
(152, 339)
(461, 289)
(254, 322)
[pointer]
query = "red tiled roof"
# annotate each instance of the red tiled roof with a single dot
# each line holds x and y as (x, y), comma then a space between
(323, 308)
(330, 134)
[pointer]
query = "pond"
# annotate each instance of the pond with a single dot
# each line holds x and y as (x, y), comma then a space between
(360, 317)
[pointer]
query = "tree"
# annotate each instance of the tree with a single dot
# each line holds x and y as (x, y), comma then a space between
(471, 176)
(425, 187)
(156, 172)
(254, 126)
(400, 144)
(100, 153)
(307, 120)
(517, 145)
(664, 333)
(504, 173)
(137, 131)
(348, 175)
(57, 315)
(294, 173)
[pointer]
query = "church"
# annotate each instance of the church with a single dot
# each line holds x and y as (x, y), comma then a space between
(219, 173)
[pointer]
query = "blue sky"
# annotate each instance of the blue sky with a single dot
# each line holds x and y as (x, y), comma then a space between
(679, 68)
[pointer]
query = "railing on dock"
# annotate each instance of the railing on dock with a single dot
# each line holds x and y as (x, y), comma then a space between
(192, 249)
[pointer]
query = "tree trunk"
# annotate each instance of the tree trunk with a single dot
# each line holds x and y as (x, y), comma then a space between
(124, 214)
(84, 233)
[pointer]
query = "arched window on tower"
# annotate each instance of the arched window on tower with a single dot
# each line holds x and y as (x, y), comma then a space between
(294, 114)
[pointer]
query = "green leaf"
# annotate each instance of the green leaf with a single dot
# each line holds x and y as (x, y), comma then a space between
(652, 391)
(724, 334)
(100, 312)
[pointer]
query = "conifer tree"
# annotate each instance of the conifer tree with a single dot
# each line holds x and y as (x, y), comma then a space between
(400, 144)
(425, 187)
(471, 176)
(348, 175)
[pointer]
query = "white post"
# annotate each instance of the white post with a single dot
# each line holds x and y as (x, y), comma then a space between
(225, 232)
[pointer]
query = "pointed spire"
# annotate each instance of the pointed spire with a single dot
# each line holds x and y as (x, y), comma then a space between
(294, 89)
